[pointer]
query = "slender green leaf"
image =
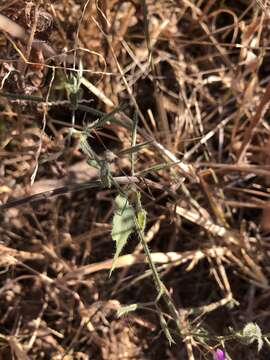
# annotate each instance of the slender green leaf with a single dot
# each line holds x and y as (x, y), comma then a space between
(135, 148)
(165, 328)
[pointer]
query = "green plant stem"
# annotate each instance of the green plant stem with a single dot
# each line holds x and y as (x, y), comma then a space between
(160, 287)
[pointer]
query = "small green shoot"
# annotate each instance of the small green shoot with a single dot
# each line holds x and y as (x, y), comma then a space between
(124, 310)
(251, 333)
(73, 86)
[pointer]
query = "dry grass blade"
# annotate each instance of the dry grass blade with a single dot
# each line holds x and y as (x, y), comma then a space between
(17, 348)
(10, 256)
(171, 258)
(249, 133)
(11, 28)
(204, 220)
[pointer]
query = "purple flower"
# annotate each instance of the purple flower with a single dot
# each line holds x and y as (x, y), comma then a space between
(219, 355)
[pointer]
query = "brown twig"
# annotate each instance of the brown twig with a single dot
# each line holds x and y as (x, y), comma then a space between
(121, 180)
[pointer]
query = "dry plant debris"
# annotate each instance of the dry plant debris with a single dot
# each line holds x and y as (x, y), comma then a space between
(169, 99)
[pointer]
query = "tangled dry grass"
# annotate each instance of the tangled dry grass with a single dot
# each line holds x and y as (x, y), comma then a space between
(195, 75)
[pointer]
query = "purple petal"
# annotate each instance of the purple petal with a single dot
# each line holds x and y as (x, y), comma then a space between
(219, 355)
